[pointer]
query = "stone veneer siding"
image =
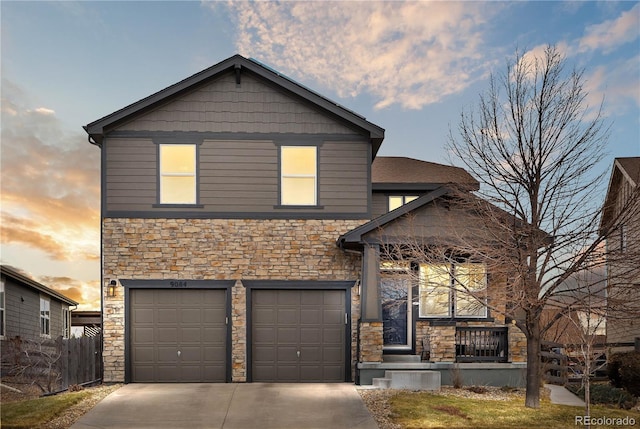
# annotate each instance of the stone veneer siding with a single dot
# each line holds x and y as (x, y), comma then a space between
(224, 249)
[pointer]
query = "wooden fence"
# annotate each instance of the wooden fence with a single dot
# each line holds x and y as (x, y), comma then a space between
(52, 365)
(554, 363)
(83, 363)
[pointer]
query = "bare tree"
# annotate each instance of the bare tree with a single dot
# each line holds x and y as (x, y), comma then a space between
(535, 146)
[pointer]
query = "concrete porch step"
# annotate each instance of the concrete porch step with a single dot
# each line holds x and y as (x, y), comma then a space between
(381, 383)
(413, 380)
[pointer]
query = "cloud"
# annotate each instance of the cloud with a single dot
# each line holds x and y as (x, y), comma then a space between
(617, 84)
(410, 53)
(87, 294)
(609, 35)
(50, 182)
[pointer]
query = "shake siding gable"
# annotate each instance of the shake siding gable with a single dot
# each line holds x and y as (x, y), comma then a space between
(252, 107)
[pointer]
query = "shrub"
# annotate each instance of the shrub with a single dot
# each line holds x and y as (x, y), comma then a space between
(606, 394)
(624, 371)
(477, 389)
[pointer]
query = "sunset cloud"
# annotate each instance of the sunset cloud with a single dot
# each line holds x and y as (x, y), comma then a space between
(610, 34)
(411, 54)
(50, 182)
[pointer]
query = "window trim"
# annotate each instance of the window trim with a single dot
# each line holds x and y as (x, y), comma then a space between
(45, 316)
(159, 175)
(453, 300)
(316, 204)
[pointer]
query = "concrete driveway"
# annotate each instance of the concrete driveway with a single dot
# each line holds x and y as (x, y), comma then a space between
(231, 406)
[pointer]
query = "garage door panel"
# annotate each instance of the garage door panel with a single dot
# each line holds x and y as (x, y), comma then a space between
(333, 335)
(310, 335)
(143, 335)
(191, 335)
(287, 354)
(311, 316)
(266, 355)
(287, 316)
(166, 335)
(264, 315)
(192, 321)
(288, 297)
(144, 355)
(190, 315)
(265, 335)
(288, 334)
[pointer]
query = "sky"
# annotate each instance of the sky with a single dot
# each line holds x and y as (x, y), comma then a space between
(409, 67)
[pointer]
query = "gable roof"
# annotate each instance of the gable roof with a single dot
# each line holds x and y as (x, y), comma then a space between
(354, 237)
(395, 172)
(26, 281)
(238, 64)
(623, 168)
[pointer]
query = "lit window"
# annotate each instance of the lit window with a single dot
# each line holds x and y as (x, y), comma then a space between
(298, 181)
(178, 174)
(396, 201)
(458, 290)
(2, 307)
(45, 316)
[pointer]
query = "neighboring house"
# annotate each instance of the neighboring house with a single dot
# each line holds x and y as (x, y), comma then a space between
(86, 323)
(31, 310)
(621, 213)
(236, 211)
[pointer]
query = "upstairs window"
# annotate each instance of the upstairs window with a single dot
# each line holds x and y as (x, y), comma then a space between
(396, 201)
(453, 290)
(298, 176)
(177, 174)
(45, 316)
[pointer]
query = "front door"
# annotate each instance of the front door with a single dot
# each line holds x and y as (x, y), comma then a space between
(396, 313)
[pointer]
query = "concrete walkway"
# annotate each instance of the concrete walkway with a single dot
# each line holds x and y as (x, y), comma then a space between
(230, 406)
(560, 395)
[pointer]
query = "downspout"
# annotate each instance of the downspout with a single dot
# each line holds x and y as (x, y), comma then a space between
(99, 145)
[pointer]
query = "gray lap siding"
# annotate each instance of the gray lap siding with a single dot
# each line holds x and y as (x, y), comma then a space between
(235, 176)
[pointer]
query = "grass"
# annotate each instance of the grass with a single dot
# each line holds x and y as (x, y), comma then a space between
(424, 410)
(36, 412)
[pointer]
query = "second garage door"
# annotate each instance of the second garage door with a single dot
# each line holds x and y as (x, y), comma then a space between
(298, 335)
(178, 335)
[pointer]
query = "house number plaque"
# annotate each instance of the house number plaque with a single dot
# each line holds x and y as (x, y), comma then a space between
(178, 284)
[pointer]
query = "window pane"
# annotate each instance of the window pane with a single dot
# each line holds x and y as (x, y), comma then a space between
(298, 160)
(435, 287)
(395, 202)
(472, 277)
(178, 190)
(177, 158)
(410, 198)
(298, 191)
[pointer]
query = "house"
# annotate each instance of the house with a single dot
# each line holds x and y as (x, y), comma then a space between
(621, 215)
(237, 207)
(30, 310)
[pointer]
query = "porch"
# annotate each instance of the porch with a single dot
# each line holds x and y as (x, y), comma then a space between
(476, 355)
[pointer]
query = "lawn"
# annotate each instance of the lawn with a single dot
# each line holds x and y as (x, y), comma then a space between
(35, 412)
(413, 410)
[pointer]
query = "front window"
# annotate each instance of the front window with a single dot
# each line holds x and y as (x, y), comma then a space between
(45, 316)
(457, 290)
(178, 174)
(298, 181)
(396, 201)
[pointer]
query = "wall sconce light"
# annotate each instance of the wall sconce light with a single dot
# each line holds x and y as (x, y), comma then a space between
(111, 289)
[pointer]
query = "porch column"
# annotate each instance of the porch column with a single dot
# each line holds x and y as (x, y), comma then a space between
(370, 284)
(371, 307)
